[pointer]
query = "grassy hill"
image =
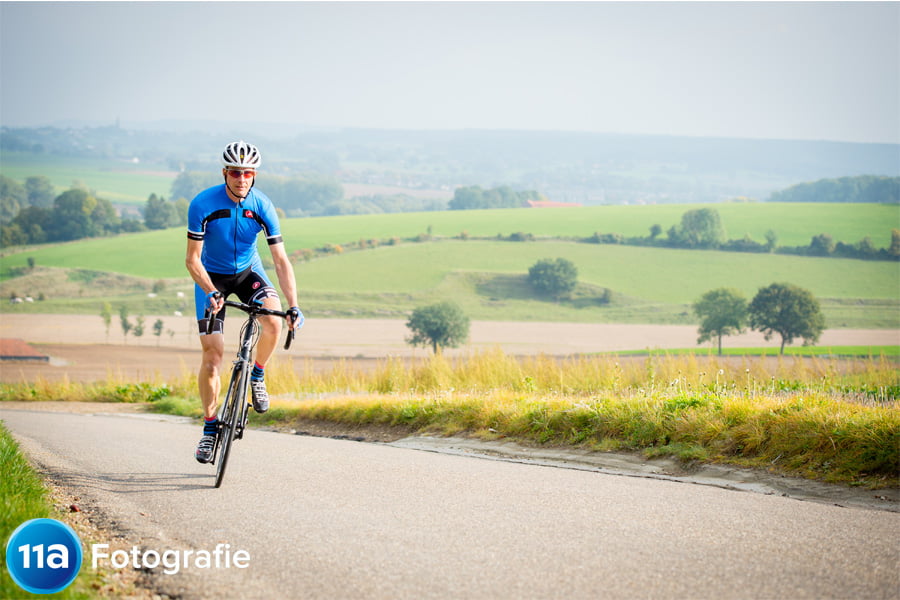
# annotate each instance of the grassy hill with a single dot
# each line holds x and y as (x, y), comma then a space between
(488, 277)
(161, 253)
(794, 224)
(119, 181)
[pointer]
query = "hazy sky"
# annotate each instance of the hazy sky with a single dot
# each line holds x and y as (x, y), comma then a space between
(804, 70)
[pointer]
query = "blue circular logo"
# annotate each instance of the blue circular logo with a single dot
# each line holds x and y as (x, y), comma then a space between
(43, 556)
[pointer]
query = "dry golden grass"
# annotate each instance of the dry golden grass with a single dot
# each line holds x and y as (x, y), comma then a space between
(830, 419)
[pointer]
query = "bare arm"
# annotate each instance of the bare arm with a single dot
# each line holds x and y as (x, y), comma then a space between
(285, 273)
(196, 269)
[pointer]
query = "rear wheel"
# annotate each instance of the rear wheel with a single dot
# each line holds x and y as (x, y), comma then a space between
(228, 420)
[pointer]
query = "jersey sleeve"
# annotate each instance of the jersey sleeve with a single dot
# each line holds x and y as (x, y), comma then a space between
(270, 220)
(195, 225)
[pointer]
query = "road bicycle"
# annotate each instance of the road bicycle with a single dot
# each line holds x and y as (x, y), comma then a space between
(234, 411)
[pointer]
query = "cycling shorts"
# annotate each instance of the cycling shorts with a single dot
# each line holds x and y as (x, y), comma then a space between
(248, 285)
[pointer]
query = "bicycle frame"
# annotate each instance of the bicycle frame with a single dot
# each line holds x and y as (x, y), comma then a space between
(234, 410)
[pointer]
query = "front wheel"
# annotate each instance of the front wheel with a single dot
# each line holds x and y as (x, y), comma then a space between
(228, 420)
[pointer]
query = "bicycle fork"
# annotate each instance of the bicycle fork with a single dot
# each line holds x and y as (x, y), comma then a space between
(245, 358)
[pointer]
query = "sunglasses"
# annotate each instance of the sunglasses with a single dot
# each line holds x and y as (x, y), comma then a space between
(239, 174)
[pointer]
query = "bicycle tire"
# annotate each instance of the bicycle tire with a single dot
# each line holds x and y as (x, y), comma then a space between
(231, 414)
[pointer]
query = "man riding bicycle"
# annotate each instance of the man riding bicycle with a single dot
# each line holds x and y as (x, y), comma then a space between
(223, 223)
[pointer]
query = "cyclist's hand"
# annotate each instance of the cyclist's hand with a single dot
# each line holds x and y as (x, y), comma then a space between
(214, 302)
(295, 318)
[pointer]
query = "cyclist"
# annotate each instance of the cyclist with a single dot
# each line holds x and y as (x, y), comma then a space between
(223, 223)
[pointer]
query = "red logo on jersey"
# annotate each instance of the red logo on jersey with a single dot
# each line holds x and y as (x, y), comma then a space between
(248, 214)
(256, 285)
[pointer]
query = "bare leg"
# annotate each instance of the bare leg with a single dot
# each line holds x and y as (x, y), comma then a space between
(270, 330)
(208, 377)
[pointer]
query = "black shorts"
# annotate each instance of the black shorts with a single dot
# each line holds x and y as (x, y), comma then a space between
(248, 285)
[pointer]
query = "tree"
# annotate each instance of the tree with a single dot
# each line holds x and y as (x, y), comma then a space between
(700, 228)
(12, 235)
(71, 216)
(158, 214)
(139, 326)
(865, 248)
(821, 245)
(40, 191)
(180, 211)
(722, 312)
(188, 185)
(12, 198)
(788, 310)
(158, 327)
(554, 277)
(104, 219)
(123, 320)
(473, 197)
(106, 315)
(771, 240)
(894, 250)
(467, 198)
(655, 231)
(439, 325)
(33, 222)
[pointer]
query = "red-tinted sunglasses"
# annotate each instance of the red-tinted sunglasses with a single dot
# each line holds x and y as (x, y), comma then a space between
(239, 174)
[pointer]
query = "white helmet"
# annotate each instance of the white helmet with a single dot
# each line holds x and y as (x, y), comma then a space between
(241, 155)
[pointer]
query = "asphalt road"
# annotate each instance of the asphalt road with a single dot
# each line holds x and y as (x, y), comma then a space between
(323, 518)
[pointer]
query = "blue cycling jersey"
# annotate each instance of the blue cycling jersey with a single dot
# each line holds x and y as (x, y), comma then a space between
(228, 230)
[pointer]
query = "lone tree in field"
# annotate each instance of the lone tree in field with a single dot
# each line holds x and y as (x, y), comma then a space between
(106, 315)
(788, 310)
(158, 327)
(441, 325)
(138, 330)
(123, 319)
(699, 228)
(722, 312)
(556, 278)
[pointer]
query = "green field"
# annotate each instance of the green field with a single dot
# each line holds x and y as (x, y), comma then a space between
(794, 224)
(114, 180)
(487, 277)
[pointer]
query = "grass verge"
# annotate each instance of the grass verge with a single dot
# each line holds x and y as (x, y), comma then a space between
(836, 420)
(23, 496)
(801, 435)
(873, 352)
(821, 418)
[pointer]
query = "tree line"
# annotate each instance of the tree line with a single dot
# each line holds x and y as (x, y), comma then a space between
(702, 229)
(864, 188)
(34, 214)
(30, 213)
(473, 197)
(72, 215)
(310, 196)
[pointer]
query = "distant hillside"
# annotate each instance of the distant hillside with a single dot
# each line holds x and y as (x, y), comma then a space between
(845, 189)
(587, 168)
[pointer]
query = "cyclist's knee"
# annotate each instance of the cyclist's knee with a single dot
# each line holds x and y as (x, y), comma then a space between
(271, 325)
(213, 347)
